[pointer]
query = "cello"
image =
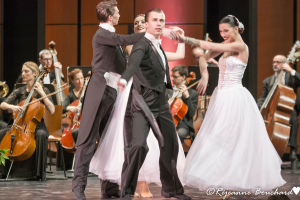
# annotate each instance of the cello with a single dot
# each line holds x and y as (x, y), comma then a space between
(20, 139)
(177, 106)
(67, 139)
(278, 106)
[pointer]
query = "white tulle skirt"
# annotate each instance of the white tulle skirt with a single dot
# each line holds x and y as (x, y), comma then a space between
(108, 159)
(232, 149)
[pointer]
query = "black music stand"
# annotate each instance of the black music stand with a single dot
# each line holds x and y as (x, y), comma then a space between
(50, 87)
(213, 72)
(85, 71)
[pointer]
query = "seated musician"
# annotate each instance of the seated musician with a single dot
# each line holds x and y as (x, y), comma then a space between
(189, 97)
(77, 79)
(291, 79)
(45, 59)
(36, 164)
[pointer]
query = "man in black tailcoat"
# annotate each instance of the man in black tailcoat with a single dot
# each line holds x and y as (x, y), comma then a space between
(291, 79)
(101, 93)
(149, 66)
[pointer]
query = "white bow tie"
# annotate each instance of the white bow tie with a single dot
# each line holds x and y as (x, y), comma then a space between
(157, 42)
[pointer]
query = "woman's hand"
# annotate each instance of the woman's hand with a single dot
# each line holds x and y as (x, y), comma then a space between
(39, 89)
(202, 85)
(15, 109)
(73, 108)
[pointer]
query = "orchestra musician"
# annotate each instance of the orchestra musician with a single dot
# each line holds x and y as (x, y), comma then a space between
(77, 79)
(291, 79)
(45, 59)
(38, 160)
(189, 97)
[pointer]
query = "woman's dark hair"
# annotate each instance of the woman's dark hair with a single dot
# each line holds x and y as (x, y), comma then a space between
(233, 22)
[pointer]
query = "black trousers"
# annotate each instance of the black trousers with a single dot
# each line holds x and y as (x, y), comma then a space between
(294, 129)
(84, 152)
(2, 124)
(136, 146)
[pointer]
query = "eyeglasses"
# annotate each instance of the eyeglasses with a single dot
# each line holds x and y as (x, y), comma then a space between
(46, 59)
(175, 76)
(277, 62)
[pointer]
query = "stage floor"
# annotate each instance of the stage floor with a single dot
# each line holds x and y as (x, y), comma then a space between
(61, 189)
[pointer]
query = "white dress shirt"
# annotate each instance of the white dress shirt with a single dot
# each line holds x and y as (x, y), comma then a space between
(283, 77)
(46, 79)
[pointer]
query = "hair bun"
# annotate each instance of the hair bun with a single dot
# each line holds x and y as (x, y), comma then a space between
(241, 27)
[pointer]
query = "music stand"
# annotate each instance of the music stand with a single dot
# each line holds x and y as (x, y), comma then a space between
(212, 81)
(50, 87)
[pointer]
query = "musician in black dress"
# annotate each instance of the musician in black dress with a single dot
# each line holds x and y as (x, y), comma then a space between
(36, 164)
(77, 79)
(291, 79)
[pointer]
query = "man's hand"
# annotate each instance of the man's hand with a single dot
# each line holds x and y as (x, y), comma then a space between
(186, 92)
(287, 67)
(58, 65)
(121, 86)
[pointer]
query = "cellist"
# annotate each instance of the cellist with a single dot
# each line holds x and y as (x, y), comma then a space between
(291, 79)
(30, 72)
(189, 97)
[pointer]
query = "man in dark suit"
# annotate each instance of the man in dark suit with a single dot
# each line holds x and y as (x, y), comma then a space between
(189, 97)
(149, 66)
(109, 61)
(291, 79)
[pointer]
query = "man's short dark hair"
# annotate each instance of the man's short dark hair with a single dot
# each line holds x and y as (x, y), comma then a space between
(158, 10)
(104, 9)
(183, 71)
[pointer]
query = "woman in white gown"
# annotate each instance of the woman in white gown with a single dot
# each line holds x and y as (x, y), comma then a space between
(232, 149)
(108, 160)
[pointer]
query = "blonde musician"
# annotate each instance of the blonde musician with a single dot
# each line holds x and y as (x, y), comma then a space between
(30, 72)
(291, 79)
(45, 59)
(77, 79)
(189, 97)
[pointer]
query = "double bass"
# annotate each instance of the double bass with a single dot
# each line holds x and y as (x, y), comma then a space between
(60, 95)
(20, 139)
(278, 106)
(67, 139)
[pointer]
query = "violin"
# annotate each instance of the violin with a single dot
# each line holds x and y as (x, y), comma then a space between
(67, 139)
(278, 106)
(20, 139)
(177, 106)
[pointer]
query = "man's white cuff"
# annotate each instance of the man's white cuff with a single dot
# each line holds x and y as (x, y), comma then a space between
(123, 81)
(293, 73)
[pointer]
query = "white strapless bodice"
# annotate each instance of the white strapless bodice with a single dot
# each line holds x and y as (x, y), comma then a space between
(231, 72)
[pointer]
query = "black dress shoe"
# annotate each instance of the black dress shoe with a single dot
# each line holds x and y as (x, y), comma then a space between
(126, 197)
(79, 192)
(177, 196)
(116, 194)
